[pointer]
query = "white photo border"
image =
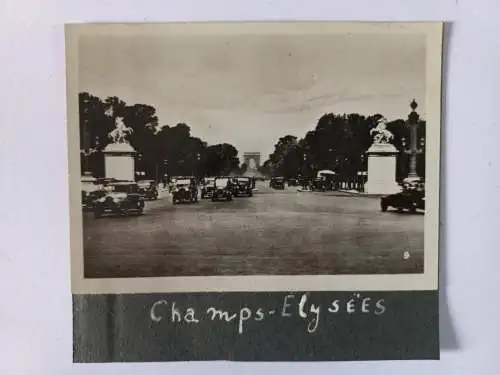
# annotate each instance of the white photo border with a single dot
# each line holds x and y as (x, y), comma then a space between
(428, 280)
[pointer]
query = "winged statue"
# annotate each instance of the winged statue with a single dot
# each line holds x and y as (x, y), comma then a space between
(120, 132)
(380, 133)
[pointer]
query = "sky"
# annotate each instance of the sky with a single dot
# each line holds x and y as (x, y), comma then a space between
(250, 90)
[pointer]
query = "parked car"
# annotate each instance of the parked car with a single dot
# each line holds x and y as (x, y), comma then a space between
(243, 186)
(148, 189)
(106, 181)
(318, 184)
(185, 190)
(120, 198)
(277, 183)
(90, 197)
(304, 182)
(222, 189)
(207, 187)
(173, 180)
(411, 198)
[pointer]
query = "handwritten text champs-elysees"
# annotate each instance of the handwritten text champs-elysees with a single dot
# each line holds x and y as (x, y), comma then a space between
(311, 313)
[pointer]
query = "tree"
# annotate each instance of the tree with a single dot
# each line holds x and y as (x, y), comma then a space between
(266, 168)
(143, 121)
(94, 124)
(243, 168)
(94, 129)
(281, 149)
(221, 159)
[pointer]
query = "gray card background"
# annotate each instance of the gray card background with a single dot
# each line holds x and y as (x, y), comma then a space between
(118, 328)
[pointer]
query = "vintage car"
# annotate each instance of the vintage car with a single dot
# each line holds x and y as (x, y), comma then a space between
(90, 197)
(223, 189)
(319, 184)
(185, 190)
(120, 198)
(243, 186)
(106, 181)
(148, 189)
(411, 198)
(207, 187)
(277, 183)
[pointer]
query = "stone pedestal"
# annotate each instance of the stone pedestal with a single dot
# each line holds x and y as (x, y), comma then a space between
(88, 182)
(382, 169)
(119, 161)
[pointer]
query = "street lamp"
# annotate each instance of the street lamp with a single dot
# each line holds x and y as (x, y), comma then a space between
(139, 165)
(414, 150)
(196, 166)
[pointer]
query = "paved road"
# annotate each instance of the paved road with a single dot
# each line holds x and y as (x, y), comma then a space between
(274, 232)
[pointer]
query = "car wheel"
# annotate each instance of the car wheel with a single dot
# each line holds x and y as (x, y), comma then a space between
(413, 210)
(383, 206)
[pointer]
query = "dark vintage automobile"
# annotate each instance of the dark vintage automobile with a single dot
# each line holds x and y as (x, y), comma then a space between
(185, 190)
(304, 182)
(207, 187)
(411, 198)
(148, 189)
(243, 186)
(120, 198)
(319, 184)
(90, 197)
(223, 189)
(106, 181)
(292, 182)
(277, 183)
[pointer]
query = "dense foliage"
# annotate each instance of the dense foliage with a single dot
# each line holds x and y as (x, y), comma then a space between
(171, 150)
(338, 143)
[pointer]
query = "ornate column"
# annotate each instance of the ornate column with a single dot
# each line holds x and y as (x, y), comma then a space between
(413, 119)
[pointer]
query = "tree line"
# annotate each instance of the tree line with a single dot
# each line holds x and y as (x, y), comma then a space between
(161, 149)
(339, 143)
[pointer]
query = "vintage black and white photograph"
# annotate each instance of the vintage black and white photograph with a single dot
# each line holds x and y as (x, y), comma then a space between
(254, 156)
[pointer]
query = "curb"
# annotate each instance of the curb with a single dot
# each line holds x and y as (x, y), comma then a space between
(360, 194)
(344, 193)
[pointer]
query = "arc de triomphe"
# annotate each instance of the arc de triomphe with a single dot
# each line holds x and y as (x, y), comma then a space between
(252, 160)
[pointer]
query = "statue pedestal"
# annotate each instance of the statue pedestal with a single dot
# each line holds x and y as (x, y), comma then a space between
(382, 169)
(119, 161)
(88, 182)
